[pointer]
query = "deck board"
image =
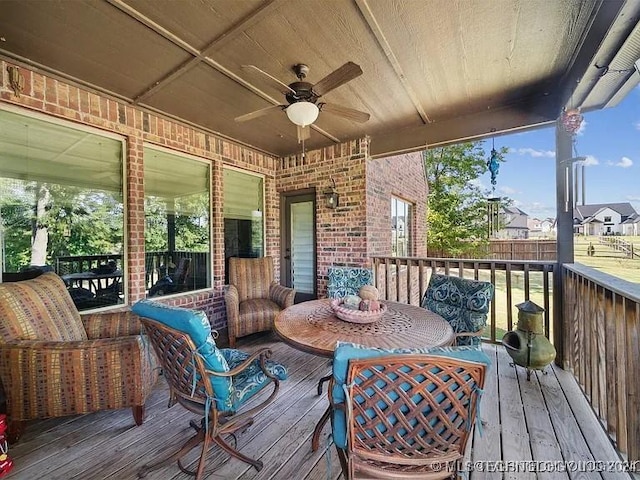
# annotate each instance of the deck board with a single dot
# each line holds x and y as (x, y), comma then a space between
(545, 419)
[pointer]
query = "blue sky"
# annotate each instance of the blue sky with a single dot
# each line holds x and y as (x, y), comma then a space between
(609, 138)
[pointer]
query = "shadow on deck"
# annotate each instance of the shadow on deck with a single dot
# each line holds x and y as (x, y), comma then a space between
(546, 420)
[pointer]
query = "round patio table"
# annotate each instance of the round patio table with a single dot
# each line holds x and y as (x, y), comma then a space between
(312, 327)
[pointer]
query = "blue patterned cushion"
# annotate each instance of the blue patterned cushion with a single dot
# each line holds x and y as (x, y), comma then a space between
(346, 351)
(252, 379)
(195, 324)
(461, 302)
(343, 281)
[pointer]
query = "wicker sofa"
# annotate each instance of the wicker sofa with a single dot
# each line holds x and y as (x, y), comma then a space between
(54, 362)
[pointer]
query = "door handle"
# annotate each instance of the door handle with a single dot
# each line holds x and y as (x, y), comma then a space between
(287, 257)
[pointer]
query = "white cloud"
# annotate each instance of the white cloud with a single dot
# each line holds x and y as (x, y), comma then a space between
(507, 190)
(582, 128)
(633, 198)
(536, 153)
(537, 209)
(637, 125)
(590, 160)
(536, 206)
(625, 162)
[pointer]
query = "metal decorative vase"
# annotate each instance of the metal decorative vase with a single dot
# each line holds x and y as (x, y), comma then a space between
(528, 346)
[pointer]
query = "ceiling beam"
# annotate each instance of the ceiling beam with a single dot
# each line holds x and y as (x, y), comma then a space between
(377, 32)
(468, 128)
(198, 55)
(203, 56)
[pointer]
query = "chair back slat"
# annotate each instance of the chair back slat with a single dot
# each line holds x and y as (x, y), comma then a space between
(181, 366)
(411, 410)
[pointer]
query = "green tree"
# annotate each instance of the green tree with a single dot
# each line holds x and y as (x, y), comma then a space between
(457, 204)
(71, 221)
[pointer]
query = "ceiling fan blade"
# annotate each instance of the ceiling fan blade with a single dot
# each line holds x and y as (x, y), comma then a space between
(258, 113)
(338, 77)
(275, 83)
(304, 133)
(344, 112)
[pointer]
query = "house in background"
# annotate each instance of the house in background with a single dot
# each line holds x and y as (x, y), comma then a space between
(605, 219)
(631, 226)
(544, 228)
(515, 223)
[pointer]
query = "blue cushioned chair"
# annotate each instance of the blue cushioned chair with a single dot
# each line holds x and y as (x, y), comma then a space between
(205, 379)
(404, 413)
(343, 281)
(461, 302)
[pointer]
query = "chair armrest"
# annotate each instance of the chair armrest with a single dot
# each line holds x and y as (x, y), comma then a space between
(48, 379)
(263, 354)
(111, 324)
(283, 296)
(232, 302)
(466, 334)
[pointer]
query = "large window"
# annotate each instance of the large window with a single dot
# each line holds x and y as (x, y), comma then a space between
(243, 216)
(400, 227)
(61, 207)
(177, 226)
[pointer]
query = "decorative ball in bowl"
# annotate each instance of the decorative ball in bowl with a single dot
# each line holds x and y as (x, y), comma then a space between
(353, 315)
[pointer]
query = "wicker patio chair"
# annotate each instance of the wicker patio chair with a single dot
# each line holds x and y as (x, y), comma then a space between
(208, 381)
(404, 415)
(55, 362)
(461, 302)
(253, 297)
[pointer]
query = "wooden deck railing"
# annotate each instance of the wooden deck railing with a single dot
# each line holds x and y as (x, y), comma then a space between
(156, 265)
(602, 349)
(601, 327)
(405, 279)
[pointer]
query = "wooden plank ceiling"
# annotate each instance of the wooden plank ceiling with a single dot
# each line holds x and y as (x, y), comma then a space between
(435, 71)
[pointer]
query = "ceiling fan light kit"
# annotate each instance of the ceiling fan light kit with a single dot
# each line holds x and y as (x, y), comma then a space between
(303, 113)
(302, 97)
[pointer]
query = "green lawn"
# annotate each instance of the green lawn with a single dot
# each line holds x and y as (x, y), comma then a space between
(606, 259)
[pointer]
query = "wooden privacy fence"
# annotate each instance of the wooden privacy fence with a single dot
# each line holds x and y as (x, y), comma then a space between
(538, 250)
(602, 349)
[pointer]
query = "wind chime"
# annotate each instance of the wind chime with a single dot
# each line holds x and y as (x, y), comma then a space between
(493, 202)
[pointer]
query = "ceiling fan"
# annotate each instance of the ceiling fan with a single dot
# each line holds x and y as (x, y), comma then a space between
(302, 106)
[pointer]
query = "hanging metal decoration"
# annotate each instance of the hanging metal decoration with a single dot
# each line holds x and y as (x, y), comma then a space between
(493, 203)
(493, 164)
(571, 120)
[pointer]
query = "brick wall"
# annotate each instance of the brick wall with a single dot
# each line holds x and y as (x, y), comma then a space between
(62, 100)
(348, 235)
(340, 232)
(401, 176)
(361, 225)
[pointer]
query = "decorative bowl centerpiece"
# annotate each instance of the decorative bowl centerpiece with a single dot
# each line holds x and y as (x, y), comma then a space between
(362, 308)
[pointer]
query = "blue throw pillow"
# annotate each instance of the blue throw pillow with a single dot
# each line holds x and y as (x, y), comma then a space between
(346, 351)
(195, 324)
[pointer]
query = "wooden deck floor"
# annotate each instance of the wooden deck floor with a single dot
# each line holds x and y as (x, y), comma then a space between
(546, 420)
